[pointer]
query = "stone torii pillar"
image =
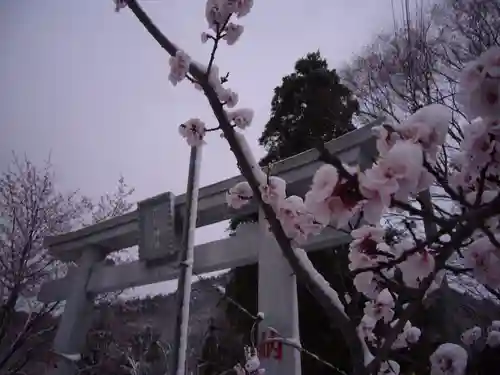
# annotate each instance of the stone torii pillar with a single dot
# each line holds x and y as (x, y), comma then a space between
(277, 296)
(277, 299)
(77, 317)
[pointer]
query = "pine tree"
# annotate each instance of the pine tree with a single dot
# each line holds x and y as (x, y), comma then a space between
(310, 105)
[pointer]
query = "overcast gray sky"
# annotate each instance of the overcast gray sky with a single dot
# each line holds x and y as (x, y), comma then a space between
(90, 86)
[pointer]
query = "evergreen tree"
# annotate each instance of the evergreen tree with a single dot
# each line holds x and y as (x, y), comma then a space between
(310, 105)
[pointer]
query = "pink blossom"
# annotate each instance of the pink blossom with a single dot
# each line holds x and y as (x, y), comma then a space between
(308, 224)
(404, 163)
(397, 174)
(289, 212)
(333, 199)
(382, 308)
(417, 267)
(367, 247)
(483, 257)
(239, 195)
(367, 283)
(386, 138)
(479, 85)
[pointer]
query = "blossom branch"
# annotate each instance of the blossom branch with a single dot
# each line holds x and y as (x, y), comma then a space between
(339, 319)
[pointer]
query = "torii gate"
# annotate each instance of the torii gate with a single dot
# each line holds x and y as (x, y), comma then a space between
(155, 227)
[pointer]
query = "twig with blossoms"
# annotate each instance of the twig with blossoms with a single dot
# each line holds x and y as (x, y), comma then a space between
(331, 308)
(403, 171)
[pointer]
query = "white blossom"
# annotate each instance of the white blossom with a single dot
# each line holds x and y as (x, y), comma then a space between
(233, 33)
(448, 359)
(193, 131)
(480, 85)
(470, 336)
(427, 127)
(242, 118)
(179, 67)
(239, 195)
(273, 190)
(228, 97)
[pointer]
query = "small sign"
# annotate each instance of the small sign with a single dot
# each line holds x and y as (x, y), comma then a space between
(270, 349)
(157, 236)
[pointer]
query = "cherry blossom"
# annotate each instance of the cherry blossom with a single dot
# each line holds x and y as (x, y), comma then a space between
(417, 267)
(479, 147)
(332, 198)
(290, 212)
(216, 13)
(493, 338)
(483, 257)
(413, 335)
(193, 131)
(228, 97)
(409, 335)
(480, 85)
(382, 308)
(386, 138)
(397, 174)
(240, 7)
(242, 118)
(448, 359)
(239, 195)
(273, 190)
(428, 127)
(179, 67)
(233, 33)
(365, 328)
(367, 283)
(367, 247)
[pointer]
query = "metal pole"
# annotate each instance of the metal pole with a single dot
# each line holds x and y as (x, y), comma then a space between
(183, 294)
